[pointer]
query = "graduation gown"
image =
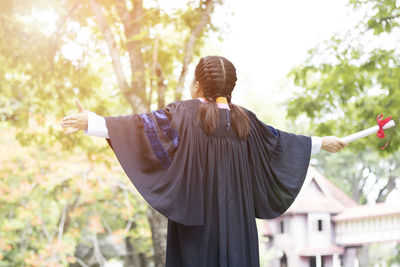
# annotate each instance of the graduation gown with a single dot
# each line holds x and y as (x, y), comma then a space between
(211, 188)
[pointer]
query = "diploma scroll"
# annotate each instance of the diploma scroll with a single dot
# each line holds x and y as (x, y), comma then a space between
(366, 132)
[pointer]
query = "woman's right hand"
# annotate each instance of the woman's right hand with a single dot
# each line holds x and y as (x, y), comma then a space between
(76, 121)
(332, 144)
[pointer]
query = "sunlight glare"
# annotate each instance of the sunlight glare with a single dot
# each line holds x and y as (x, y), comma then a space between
(47, 19)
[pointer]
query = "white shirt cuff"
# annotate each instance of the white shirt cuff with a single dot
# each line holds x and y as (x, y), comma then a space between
(96, 125)
(316, 143)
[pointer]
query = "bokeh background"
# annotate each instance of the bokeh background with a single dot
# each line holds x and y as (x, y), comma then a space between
(309, 67)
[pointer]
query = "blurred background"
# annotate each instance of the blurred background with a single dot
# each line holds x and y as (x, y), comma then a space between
(310, 67)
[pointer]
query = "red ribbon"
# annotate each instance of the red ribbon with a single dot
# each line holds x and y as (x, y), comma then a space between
(382, 122)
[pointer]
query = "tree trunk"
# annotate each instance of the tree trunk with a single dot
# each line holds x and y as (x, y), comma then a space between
(132, 27)
(158, 225)
(131, 258)
(143, 260)
(387, 189)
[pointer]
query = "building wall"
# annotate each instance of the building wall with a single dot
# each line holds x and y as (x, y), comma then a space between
(349, 258)
(301, 232)
(303, 262)
(328, 261)
(292, 240)
(319, 238)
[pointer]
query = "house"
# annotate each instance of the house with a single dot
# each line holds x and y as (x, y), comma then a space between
(324, 227)
(305, 233)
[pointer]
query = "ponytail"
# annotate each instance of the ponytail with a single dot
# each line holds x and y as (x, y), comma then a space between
(240, 121)
(208, 116)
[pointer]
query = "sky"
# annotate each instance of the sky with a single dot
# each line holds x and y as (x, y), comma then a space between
(266, 39)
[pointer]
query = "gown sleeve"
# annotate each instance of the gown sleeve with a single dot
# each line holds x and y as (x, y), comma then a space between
(280, 163)
(145, 145)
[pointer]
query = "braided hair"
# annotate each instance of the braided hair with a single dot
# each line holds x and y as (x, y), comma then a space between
(217, 76)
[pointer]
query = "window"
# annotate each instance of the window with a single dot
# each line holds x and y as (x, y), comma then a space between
(281, 227)
(313, 261)
(320, 228)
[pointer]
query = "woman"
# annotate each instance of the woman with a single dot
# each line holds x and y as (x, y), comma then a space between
(209, 166)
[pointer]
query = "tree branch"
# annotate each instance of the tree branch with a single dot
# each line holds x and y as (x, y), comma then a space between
(388, 18)
(116, 60)
(387, 189)
(44, 229)
(132, 22)
(161, 87)
(81, 262)
(97, 252)
(154, 69)
(122, 10)
(112, 46)
(62, 222)
(189, 48)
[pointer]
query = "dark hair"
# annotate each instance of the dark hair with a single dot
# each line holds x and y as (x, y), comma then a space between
(217, 76)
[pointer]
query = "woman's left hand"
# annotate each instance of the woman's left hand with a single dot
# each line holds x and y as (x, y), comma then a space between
(76, 121)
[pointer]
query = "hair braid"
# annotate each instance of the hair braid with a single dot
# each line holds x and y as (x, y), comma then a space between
(217, 75)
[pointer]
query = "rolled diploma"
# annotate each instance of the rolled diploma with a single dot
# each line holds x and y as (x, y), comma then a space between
(366, 132)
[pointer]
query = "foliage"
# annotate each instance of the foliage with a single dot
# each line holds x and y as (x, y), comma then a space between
(51, 65)
(53, 52)
(363, 175)
(349, 79)
(54, 200)
(342, 86)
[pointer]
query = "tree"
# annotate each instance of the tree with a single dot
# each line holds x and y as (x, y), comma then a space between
(144, 43)
(363, 175)
(349, 79)
(342, 87)
(61, 209)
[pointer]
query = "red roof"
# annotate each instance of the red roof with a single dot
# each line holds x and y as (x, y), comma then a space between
(329, 250)
(336, 192)
(331, 199)
(367, 211)
(307, 203)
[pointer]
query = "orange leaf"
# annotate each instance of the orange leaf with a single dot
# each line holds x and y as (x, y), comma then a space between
(95, 224)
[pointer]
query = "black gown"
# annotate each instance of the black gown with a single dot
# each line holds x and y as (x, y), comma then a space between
(211, 188)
